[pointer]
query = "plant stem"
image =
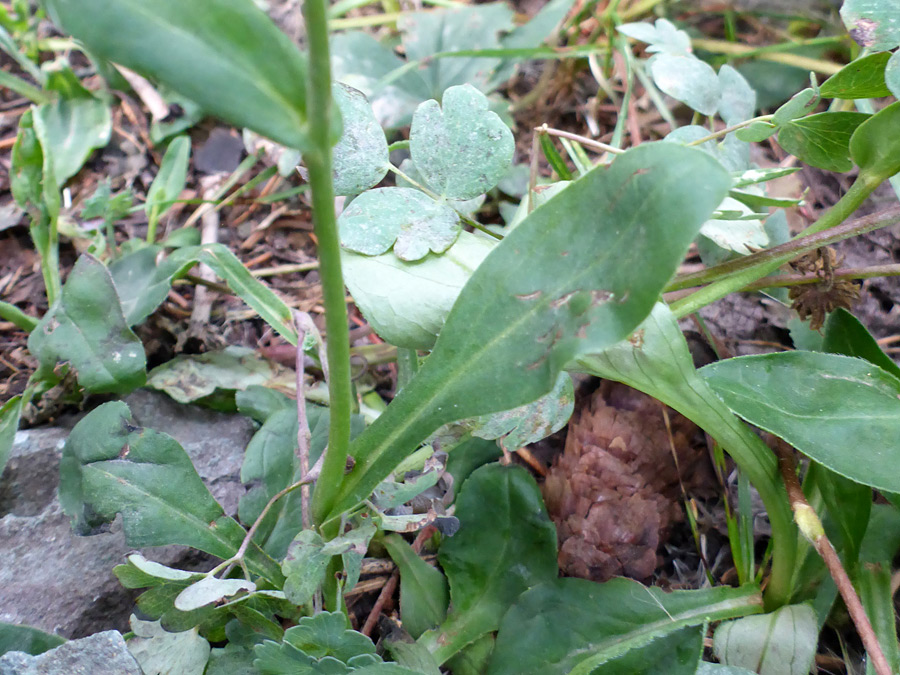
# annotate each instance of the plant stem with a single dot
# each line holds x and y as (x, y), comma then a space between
(584, 140)
(318, 163)
(727, 130)
(23, 321)
(744, 272)
(811, 527)
(745, 51)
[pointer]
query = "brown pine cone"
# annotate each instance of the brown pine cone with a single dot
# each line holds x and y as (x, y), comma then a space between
(614, 492)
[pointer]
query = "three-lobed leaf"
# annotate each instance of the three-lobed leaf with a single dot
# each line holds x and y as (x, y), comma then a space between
(360, 158)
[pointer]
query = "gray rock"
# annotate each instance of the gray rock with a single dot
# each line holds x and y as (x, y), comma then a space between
(63, 584)
(100, 654)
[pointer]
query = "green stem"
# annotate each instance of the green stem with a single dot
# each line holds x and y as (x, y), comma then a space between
(318, 163)
(744, 271)
(23, 321)
(23, 88)
(727, 130)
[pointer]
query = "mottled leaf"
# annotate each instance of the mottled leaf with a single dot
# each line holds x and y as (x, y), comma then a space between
(360, 159)
(874, 24)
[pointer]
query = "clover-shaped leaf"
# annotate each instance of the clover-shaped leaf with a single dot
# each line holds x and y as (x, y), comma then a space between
(361, 156)
(464, 149)
(404, 218)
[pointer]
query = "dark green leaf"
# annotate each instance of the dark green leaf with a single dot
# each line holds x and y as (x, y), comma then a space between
(70, 130)
(361, 156)
(328, 634)
(505, 545)
(577, 275)
(862, 78)
(468, 456)
(460, 147)
(305, 566)
(423, 589)
(844, 334)
(170, 178)
(224, 54)
(474, 659)
(874, 585)
(842, 412)
(554, 158)
(87, 329)
(378, 218)
(143, 279)
(14, 638)
(110, 465)
(848, 507)
(577, 626)
(822, 140)
(26, 177)
(875, 145)
(231, 660)
(874, 24)
(780, 643)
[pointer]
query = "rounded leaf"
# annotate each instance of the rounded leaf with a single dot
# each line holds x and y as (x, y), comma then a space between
(822, 140)
(892, 74)
(687, 79)
(361, 156)
(738, 102)
(739, 236)
(404, 218)
(406, 303)
(875, 145)
(874, 24)
(463, 149)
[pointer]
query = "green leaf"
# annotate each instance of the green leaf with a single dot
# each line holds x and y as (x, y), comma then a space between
(15, 638)
(328, 634)
(407, 302)
(143, 279)
(86, 329)
(226, 55)
(780, 643)
(468, 456)
(209, 590)
(800, 105)
(26, 177)
(161, 653)
(822, 140)
(662, 37)
(862, 78)
(576, 626)
(170, 178)
(892, 74)
(231, 660)
(304, 566)
(557, 286)
(361, 156)
(827, 406)
(461, 148)
(874, 24)
(189, 377)
(70, 130)
(738, 101)
(505, 545)
(450, 30)
(360, 61)
(531, 422)
(474, 659)
(686, 78)
(844, 334)
(9, 424)
(110, 465)
(378, 218)
(874, 585)
(423, 589)
(875, 145)
(756, 132)
(718, 669)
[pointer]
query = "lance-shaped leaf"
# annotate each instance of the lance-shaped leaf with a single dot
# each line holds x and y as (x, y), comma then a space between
(110, 465)
(576, 276)
(462, 149)
(407, 219)
(361, 156)
(423, 588)
(170, 179)
(840, 411)
(505, 545)
(87, 329)
(226, 55)
(844, 334)
(70, 129)
(577, 626)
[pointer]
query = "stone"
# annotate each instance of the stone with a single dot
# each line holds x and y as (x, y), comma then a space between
(101, 654)
(63, 584)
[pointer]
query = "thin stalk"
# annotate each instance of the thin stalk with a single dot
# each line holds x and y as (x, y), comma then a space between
(23, 88)
(769, 261)
(727, 130)
(744, 51)
(318, 163)
(584, 140)
(11, 313)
